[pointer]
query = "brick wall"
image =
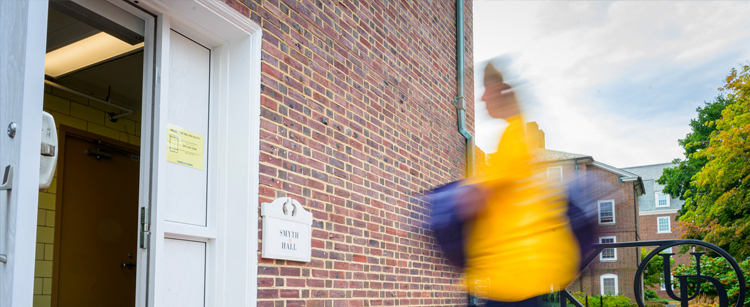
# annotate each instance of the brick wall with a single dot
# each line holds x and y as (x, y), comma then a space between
(72, 111)
(357, 122)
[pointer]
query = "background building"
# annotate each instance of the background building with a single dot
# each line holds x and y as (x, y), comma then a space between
(658, 212)
(616, 191)
(617, 194)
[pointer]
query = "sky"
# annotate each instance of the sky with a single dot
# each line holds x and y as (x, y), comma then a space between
(619, 81)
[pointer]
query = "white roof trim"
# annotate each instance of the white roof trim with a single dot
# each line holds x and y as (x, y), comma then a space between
(628, 176)
(655, 212)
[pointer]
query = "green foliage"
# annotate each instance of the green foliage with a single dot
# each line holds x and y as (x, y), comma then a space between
(654, 269)
(718, 268)
(717, 206)
(652, 297)
(677, 179)
(609, 300)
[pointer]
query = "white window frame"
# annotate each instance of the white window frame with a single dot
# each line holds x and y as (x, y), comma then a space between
(601, 255)
(662, 286)
(555, 168)
(656, 199)
(599, 210)
(669, 224)
(607, 276)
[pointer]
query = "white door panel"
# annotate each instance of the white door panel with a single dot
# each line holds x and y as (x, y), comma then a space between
(188, 108)
(187, 270)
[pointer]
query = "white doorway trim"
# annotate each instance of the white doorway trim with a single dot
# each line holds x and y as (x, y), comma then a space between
(236, 42)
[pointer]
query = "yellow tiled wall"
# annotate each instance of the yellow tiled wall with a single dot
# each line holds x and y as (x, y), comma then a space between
(77, 112)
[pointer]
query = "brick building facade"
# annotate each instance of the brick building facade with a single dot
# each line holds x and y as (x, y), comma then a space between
(612, 188)
(658, 213)
(357, 121)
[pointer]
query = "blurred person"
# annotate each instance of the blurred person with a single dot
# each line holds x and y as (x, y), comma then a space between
(510, 227)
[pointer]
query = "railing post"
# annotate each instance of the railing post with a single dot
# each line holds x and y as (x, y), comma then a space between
(563, 302)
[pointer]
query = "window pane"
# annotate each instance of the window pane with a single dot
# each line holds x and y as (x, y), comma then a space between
(607, 253)
(606, 212)
(662, 200)
(609, 286)
(554, 173)
(663, 224)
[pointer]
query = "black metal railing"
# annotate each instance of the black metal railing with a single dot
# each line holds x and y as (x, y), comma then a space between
(564, 296)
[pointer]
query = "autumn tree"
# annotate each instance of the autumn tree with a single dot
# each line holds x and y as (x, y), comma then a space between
(717, 204)
(676, 180)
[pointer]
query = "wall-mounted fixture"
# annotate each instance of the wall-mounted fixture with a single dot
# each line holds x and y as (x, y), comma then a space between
(112, 116)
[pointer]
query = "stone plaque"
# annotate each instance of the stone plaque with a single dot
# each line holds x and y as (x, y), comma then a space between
(286, 230)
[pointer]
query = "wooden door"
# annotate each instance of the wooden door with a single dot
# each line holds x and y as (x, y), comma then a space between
(96, 239)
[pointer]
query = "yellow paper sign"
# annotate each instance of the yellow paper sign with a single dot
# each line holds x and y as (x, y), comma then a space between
(184, 147)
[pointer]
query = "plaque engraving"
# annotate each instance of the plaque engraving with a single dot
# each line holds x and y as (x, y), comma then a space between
(286, 230)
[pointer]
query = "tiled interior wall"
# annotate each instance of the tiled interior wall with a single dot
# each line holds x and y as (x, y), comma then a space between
(80, 113)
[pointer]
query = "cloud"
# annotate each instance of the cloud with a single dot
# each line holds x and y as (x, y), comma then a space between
(616, 80)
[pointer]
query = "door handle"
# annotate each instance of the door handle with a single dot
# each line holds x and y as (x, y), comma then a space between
(128, 265)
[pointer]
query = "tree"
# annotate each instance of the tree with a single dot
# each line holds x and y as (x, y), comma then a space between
(676, 180)
(717, 206)
(654, 272)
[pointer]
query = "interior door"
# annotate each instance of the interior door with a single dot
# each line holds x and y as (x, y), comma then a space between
(23, 28)
(182, 230)
(97, 226)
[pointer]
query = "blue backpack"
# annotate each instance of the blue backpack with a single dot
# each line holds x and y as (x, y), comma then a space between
(449, 229)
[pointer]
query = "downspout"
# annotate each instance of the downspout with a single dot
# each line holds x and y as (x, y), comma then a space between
(635, 205)
(638, 256)
(460, 100)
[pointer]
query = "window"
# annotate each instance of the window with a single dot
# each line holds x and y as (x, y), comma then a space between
(667, 251)
(662, 286)
(606, 212)
(662, 200)
(608, 254)
(609, 284)
(554, 173)
(662, 224)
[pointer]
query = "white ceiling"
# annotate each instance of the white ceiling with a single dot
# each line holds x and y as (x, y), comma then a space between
(123, 74)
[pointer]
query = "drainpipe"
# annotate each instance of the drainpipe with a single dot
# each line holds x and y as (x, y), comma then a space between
(635, 206)
(460, 100)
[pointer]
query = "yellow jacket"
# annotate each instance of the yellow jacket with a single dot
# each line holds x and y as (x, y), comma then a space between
(521, 244)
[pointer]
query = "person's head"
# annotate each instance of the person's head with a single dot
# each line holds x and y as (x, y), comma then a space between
(500, 100)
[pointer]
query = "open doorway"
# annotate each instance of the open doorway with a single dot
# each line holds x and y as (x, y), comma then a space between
(88, 219)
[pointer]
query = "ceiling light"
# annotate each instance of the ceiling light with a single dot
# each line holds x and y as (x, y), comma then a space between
(83, 53)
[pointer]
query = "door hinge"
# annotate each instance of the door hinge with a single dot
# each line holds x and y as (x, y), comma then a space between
(145, 231)
(158, 75)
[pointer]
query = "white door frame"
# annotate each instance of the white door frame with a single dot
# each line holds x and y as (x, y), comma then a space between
(231, 277)
(23, 29)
